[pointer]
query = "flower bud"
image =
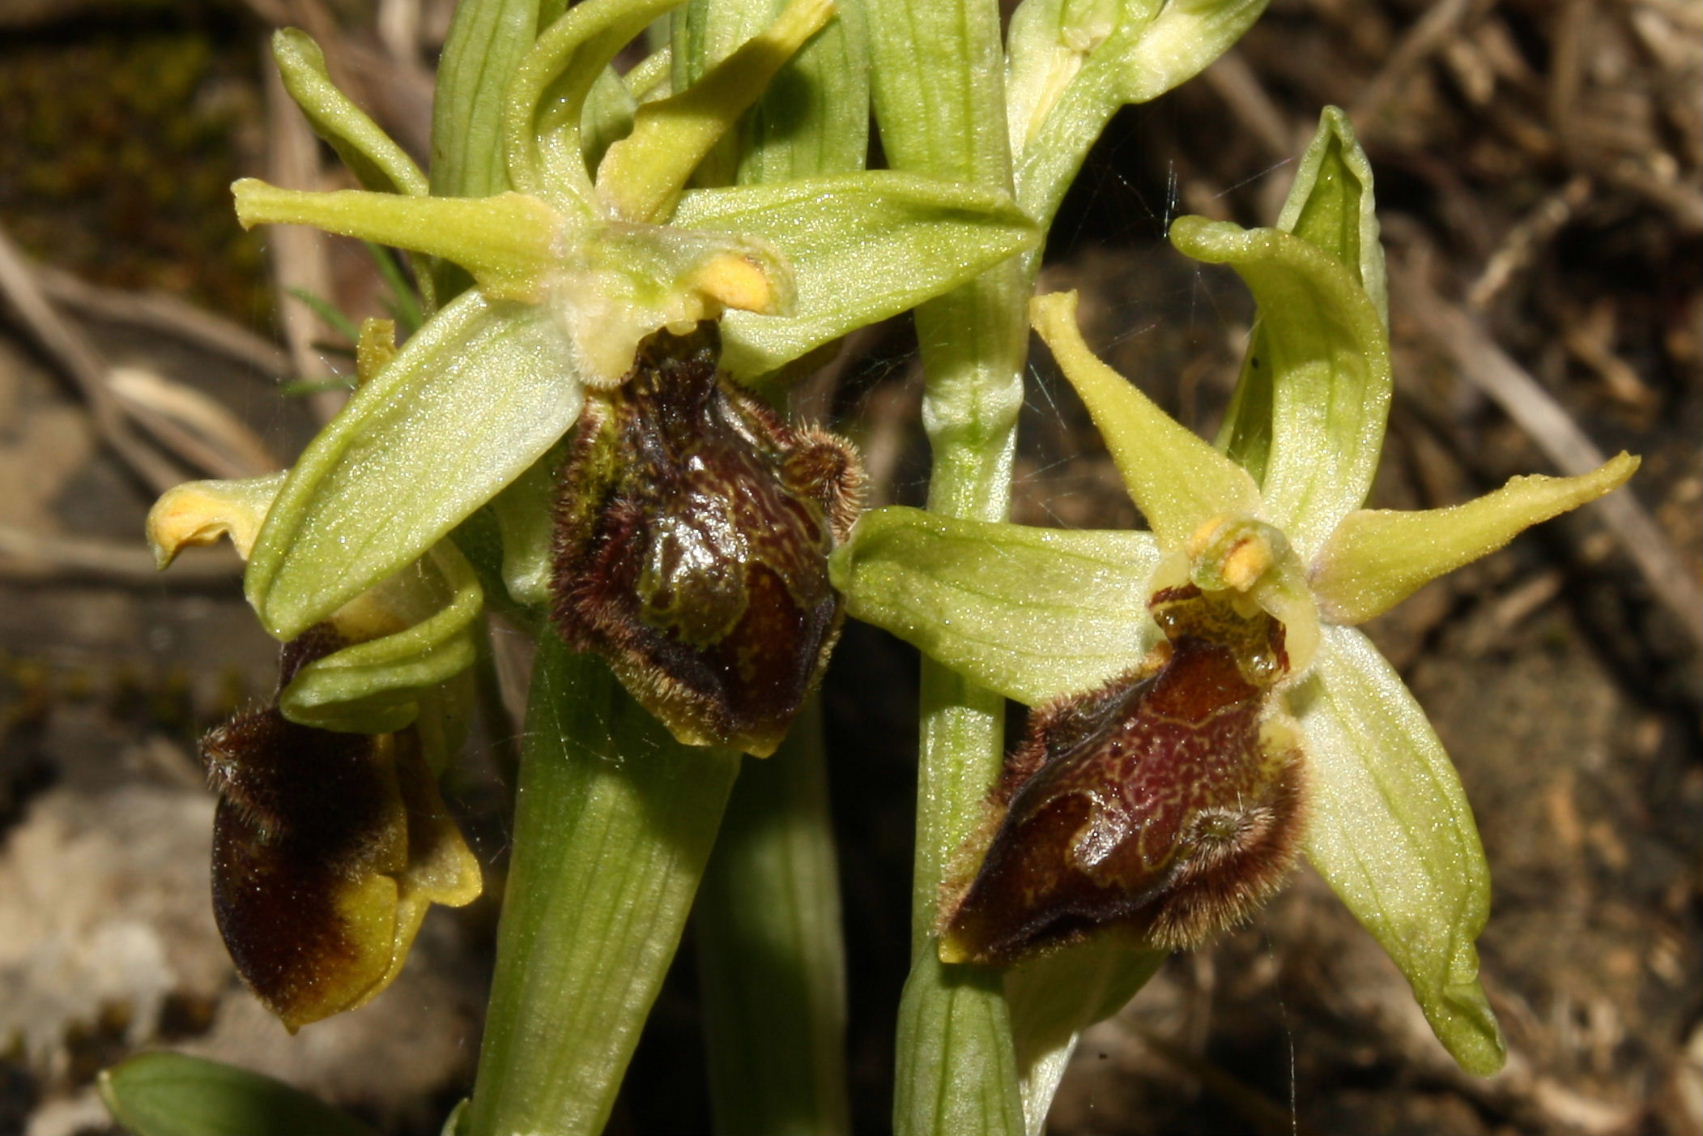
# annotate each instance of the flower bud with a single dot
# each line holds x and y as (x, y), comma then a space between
(327, 849)
(1167, 804)
(692, 539)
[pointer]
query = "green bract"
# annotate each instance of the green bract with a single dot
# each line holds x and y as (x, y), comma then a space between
(1389, 827)
(570, 272)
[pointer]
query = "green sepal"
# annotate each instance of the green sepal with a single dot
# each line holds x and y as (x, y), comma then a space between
(1391, 832)
(1055, 997)
(1177, 480)
(1378, 557)
(1329, 357)
(1330, 204)
(168, 1094)
(472, 400)
(1075, 62)
(861, 247)
(1031, 613)
(375, 159)
(375, 685)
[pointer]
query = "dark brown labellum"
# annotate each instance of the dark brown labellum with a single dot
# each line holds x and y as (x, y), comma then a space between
(313, 836)
(692, 539)
(1166, 804)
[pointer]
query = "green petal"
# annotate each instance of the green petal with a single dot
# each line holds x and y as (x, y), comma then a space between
(375, 159)
(375, 685)
(1072, 64)
(510, 242)
(1330, 205)
(476, 396)
(1329, 358)
(1177, 480)
(641, 176)
(1392, 834)
(1031, 613)
(168, 1094)
(1379, 557)
(813, 118)
(861, 247)
(543, 119)
(1054, 997)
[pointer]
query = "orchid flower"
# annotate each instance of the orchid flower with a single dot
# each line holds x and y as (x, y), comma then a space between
(1264, 541)
(571, 269)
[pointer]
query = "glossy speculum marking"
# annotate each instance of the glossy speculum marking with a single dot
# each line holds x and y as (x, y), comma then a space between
(692, 539)
(1165, 804)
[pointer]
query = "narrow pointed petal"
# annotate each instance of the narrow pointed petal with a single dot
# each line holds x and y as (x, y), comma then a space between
(543, 120)
(1379, 557)
(861, 247)
(376, 160)
(509, 242)
(1177, 480)
(1031, 613)
(410, 634)
(1329, 357)
(472, 400)
(1392, 834)
(1329, 205)
(641, 176)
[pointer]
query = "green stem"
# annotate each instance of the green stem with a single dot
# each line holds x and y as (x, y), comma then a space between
(614, 821)
(940, 104)
(770, 951)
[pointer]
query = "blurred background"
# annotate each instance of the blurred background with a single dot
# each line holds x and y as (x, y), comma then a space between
(1539, 173)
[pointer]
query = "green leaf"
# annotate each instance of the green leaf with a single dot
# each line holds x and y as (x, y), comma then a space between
(1329, 358)
(955, 1038)
(375, 686)
(377, 162)
(1379, 557)
(473, 399)
(861, 247)
(1330, 205)
(771, 954)
(167, 1094)
(1177, 480)
(1074, 62)
(1055, 997)
(1392, 834)
(487, 41)
(614, 821)
(1031, 613)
